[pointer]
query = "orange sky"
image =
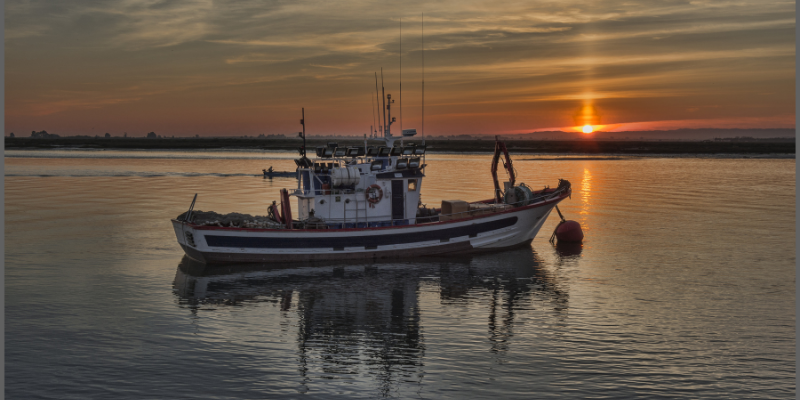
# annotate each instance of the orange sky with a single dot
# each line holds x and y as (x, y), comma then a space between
(246, 67)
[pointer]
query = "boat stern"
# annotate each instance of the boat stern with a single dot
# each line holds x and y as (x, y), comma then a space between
(187, 239)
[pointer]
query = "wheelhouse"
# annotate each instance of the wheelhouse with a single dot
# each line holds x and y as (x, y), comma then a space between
(361, 187)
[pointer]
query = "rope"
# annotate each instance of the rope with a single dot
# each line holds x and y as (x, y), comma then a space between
(553, 236)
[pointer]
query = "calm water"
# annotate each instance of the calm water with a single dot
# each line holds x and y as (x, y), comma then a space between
(684, 287)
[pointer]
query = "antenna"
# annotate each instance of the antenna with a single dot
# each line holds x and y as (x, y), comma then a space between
(401, 79)
(378, 105)
(423, 79)
(383, 91)
(373, 115)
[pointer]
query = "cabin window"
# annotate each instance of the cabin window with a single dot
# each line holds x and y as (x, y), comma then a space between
(412, 185)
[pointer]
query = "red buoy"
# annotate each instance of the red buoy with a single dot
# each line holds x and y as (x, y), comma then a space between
(569, 231)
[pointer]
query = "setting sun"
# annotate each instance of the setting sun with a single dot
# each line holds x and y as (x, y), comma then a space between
(587, 129)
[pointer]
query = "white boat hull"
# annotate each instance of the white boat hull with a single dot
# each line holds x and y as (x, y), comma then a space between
(508, 229)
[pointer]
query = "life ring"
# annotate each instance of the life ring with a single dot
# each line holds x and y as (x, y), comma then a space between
(374, 194)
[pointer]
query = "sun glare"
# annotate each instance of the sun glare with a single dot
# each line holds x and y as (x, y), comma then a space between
(587, 129)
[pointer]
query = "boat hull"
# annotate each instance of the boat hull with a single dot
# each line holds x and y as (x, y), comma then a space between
(502, 230)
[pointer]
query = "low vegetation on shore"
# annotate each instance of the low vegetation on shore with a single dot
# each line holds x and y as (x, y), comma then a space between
(436, 145)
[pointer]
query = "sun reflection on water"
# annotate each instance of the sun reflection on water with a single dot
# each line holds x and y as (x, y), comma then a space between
(586, 189)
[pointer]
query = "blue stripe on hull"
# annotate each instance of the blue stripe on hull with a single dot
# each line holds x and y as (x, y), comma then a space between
(356, 241)
(263, 257)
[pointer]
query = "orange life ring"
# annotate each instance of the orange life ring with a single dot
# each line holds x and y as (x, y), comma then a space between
(374, 194)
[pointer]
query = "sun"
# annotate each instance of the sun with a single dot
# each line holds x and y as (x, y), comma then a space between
(587, 129)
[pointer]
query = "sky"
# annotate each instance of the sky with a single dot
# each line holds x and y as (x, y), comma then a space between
(246, 67)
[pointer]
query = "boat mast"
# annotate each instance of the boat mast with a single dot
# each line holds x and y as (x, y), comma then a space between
(388, 120)
(383, 90)
(303, 122)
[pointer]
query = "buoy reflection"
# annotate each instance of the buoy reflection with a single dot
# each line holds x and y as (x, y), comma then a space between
(567, 249)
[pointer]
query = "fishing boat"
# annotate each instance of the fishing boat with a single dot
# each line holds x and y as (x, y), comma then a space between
(357, 203)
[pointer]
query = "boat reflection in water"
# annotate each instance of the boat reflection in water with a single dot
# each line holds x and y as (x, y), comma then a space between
(365, 318)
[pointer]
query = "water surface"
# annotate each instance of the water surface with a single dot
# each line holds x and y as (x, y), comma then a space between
(684, 287)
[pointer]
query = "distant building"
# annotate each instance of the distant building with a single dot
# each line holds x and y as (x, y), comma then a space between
(108, 135)
(43, 135)
(11, 135)
(152, 135)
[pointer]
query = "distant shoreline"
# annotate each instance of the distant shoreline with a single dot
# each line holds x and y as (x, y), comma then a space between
(606, 147)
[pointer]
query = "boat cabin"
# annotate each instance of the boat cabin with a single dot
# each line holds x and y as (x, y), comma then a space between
(360, 187)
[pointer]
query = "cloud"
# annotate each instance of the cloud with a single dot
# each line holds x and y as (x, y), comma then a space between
(477, 53)
(265, 58)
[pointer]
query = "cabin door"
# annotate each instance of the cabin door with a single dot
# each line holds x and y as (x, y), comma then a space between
(398, 200)
(306, 182)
